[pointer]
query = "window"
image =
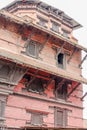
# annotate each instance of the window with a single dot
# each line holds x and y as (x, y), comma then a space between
(65, 33)
(55, 27)
(2, 109)
(61, 60)
(36, 119)
(60, 119)
(42, 22)
(4, 71)
(32, 49)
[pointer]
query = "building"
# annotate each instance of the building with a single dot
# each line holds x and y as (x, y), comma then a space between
(40, 68)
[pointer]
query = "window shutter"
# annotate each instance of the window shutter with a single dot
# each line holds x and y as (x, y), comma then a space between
(60, 119)
(32, 48)
(36, 119)
(2, 108)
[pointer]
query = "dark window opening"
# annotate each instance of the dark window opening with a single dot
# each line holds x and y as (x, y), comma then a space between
(34, 84)
(36, 119)
(60, 59)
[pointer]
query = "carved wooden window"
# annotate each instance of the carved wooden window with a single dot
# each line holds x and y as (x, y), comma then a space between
(55, 27)
(61, 60)
(60, 117)
(32, 49)
(2, 108)
(42, 22)
(36, 118)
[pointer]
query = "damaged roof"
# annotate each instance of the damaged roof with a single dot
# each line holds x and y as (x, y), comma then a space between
(48, 9)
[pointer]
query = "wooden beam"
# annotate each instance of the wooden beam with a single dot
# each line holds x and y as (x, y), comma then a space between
(84, 96)
(82, 60)
(71, 54)
(76, 86)
(39, 76)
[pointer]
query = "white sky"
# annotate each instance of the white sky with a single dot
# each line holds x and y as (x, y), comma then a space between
(76, 9)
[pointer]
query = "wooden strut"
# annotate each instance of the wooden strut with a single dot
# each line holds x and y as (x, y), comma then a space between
(45, 42)
(72, 54)
(32, 79)
(60, 84)
(82, 60)
(84, 96)
(76, 86)
(29, 38)
(60, 49)
(50, 81)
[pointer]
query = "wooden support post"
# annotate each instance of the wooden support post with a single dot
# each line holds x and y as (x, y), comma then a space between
(76, 86)
(71, 55)
(82, 60)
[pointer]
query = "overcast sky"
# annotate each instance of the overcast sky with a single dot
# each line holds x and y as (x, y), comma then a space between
(76, 9)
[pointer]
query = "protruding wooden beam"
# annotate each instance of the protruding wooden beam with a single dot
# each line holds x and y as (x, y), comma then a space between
(75, 87)
(72, 54)
(82, 60)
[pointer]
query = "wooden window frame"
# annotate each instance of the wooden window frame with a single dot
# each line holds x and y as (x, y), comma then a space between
(63, 118)
(65, 33)
(36, 49)
(33, 117)
(62, 66)
(55, 27)
(42, 22)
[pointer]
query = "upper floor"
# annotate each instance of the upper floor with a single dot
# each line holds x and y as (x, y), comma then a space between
(45, 16)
